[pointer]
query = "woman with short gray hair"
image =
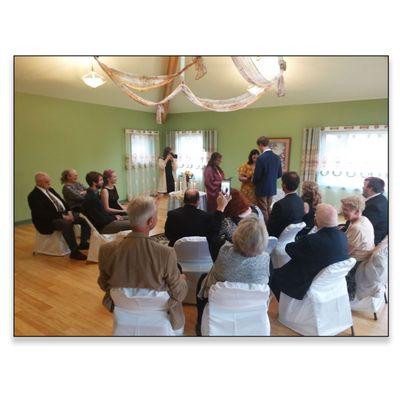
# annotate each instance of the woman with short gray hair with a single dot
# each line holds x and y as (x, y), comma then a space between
(243, 261)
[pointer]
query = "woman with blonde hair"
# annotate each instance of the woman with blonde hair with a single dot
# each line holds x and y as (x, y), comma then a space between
(109, 194)
(360, 235)
(245, 260)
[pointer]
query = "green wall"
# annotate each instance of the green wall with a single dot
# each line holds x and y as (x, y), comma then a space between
(53, 134)
(238, 131)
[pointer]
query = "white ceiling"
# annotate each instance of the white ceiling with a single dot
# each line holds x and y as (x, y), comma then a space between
(307, 79)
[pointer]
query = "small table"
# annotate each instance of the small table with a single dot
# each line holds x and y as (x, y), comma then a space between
(175, 200)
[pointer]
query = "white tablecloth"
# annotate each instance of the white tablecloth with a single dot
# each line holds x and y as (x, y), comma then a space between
(175, 200)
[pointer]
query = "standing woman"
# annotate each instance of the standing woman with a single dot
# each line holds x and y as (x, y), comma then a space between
(168, 166)
(213, 176)
(246, 172)
(109, 195)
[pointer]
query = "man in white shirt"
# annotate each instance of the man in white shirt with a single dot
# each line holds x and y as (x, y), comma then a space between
(50, 213)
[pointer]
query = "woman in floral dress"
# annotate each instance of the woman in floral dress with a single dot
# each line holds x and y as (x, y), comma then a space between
(246, 172)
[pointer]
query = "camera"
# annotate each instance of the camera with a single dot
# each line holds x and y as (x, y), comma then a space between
(174, 155)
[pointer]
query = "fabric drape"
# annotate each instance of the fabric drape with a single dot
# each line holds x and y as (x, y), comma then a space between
(310, 154)
(141, 162)
(129, 82)
(251, 74)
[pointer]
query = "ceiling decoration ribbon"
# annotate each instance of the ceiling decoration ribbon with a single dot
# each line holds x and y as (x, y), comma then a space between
(128, 82)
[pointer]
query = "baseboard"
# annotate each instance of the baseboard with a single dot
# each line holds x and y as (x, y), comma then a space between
(23, 222)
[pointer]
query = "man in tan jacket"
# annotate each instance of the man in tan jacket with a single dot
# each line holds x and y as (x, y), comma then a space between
(139, 262)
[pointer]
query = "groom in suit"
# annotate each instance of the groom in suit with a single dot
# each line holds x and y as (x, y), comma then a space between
(376, 206)
(50, 213)
(268, 170)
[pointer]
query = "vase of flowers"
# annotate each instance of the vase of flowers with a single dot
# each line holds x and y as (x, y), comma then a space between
(188, 176)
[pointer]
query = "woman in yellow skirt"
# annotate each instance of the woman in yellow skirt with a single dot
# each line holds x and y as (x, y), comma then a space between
(246, 172)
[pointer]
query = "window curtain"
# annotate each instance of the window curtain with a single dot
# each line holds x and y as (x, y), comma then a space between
(194, 149)
(141, 162)
(310, 154)
(348, 155)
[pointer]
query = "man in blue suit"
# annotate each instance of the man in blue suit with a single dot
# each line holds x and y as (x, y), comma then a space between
(268, 170)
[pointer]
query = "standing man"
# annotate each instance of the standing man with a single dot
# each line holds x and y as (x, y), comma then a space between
(268, 170)
(376, 206)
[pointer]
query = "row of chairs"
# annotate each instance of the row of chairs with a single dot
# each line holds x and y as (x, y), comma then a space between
(325, 310)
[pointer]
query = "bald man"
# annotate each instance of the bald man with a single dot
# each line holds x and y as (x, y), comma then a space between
(310, 254)
(190, 221)
(50, 213)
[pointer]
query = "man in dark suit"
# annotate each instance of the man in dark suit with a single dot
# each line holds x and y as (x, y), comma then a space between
(290, 209)
(376, 207)
(190, 221)
(93, 208)
(268, 169)
(50, 213)
(310, 254)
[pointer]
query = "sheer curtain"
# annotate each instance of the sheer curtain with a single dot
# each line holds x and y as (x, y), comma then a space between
(140, 162)
(194, 149)
(347, 155)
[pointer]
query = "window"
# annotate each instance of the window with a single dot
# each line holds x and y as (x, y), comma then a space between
(347, 156)
(189, 147)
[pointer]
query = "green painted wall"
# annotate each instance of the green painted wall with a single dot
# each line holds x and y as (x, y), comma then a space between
(53, 134)
(238, 131)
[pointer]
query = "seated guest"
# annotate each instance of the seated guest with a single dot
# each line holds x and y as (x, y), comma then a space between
(93, 208)
(376, 206)
(243, 261)
(290, 209)
(360, 236)
(237, 209)
(109, 195)
(311, 197)
(138, 262)
(73, 191)
(190, 221)
(50, 213)
(311, 254)
(246, 172)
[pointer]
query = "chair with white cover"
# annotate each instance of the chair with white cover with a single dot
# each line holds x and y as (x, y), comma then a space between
(325, 309)
(279, 256)
(97, 239)
(141, 312)
(194, 257)
(371, 281)
(51, 245)
(272, 242)
(236, 309)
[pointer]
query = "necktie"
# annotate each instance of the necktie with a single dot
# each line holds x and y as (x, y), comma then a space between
(55, 202)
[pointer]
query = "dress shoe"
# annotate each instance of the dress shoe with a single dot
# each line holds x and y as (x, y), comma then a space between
(77, 255)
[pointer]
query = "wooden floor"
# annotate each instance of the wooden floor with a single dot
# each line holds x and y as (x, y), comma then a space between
(57, 296)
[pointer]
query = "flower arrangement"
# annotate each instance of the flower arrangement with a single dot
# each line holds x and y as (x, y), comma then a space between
(188, 175)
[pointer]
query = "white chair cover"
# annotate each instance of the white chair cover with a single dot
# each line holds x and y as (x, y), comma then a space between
(51, 245)
(272, 242)
(279, 256)
(97, 240)
(371, 280)
(325, 309)
(194, 257)
(141, 312)
(236, 309)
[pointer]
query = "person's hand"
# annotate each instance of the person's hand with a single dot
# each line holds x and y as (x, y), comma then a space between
(83, 192)
(222, 201)
(119, 217)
